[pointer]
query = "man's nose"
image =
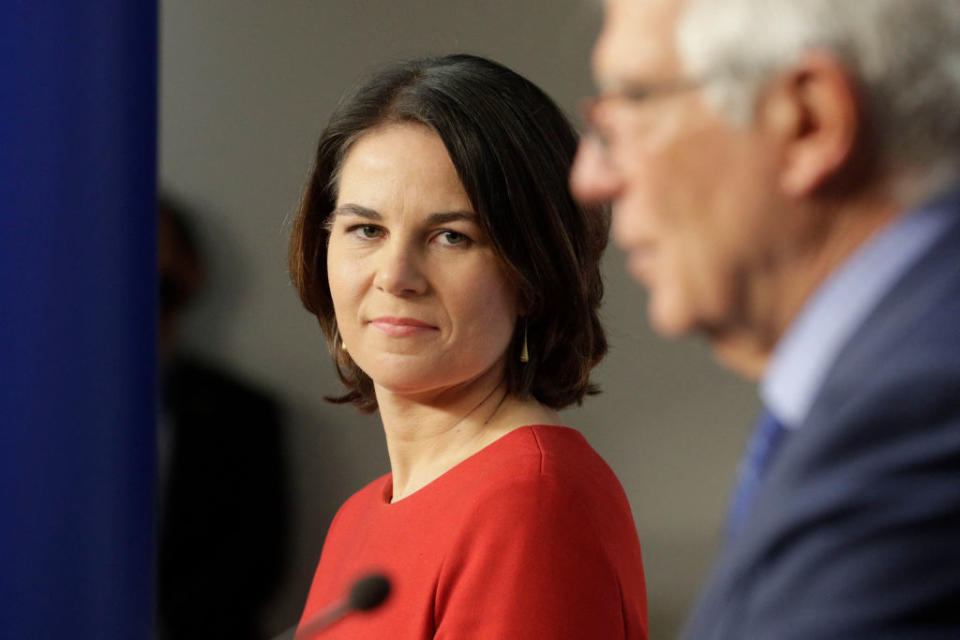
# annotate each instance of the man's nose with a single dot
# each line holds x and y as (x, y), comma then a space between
(399, 270)
(593, 178)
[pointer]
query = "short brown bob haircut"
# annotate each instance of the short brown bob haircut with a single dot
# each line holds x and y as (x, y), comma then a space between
(512, 148)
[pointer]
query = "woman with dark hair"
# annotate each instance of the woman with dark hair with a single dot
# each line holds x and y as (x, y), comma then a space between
(457, 283)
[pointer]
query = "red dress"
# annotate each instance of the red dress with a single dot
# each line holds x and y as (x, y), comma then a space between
(532, 537)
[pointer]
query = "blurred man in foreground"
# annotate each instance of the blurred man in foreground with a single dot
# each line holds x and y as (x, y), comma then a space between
(784, 180)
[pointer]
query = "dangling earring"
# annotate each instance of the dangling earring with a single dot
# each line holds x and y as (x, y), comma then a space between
(337, 336)
(524, 352)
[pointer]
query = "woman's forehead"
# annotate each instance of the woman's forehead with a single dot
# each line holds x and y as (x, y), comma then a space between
(401, 167)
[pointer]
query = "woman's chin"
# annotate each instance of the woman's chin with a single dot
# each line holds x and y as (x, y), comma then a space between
(432, 379)
(426, 388)
(408, 385)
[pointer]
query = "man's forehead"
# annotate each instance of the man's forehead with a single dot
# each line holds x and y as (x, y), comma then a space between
(637, 42)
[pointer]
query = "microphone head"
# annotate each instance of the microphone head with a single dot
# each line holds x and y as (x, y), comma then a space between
(369, 592)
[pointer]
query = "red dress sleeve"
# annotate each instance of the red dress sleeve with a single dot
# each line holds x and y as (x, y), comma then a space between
(534, 561)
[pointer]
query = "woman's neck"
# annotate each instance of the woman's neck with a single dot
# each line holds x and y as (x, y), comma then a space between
(426, 437)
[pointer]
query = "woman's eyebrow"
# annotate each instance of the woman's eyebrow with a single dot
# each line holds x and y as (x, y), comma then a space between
(351, 209)
(453, 216)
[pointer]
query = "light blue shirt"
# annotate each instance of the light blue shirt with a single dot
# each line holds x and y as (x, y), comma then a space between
(804, 355)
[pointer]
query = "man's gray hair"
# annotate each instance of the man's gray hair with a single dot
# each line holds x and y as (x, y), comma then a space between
(905, 55)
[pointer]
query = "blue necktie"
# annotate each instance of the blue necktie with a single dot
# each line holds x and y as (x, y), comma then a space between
(767, 437)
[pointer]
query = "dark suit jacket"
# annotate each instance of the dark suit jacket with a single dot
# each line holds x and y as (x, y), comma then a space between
(855, 532)
(224, 521)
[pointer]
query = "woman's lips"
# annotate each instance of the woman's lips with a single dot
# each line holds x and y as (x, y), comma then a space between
(401, 327)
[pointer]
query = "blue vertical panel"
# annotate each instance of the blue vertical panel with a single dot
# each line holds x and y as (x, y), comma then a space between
(77, 297)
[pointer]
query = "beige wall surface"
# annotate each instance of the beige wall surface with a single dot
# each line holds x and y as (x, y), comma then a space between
(246, 87)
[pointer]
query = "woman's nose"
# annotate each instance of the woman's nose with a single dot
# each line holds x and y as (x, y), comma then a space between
(593, 178)
(399, 271)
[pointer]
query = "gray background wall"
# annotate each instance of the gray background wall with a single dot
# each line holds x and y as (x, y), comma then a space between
(246, 87)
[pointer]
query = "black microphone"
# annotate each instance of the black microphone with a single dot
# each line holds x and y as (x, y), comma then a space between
(368, 592)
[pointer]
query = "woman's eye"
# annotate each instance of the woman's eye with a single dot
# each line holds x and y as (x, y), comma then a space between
(366, 231)
(453, 238)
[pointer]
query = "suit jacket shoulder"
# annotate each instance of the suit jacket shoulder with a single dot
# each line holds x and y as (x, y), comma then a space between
(854, 532)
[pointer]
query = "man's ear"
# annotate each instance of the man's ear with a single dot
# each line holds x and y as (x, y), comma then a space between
(813, 113)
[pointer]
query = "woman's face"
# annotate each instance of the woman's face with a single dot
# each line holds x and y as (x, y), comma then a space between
(421, 299)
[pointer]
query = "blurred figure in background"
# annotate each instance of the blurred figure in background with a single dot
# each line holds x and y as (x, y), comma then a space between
(222, 495)
(785, 179)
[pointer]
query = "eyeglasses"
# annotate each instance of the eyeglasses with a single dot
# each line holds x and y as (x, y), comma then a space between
(631, 94)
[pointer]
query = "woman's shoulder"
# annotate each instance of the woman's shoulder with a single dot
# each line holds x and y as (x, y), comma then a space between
(554, 465)
(551, 491)
(563, 444)
(562, 454)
